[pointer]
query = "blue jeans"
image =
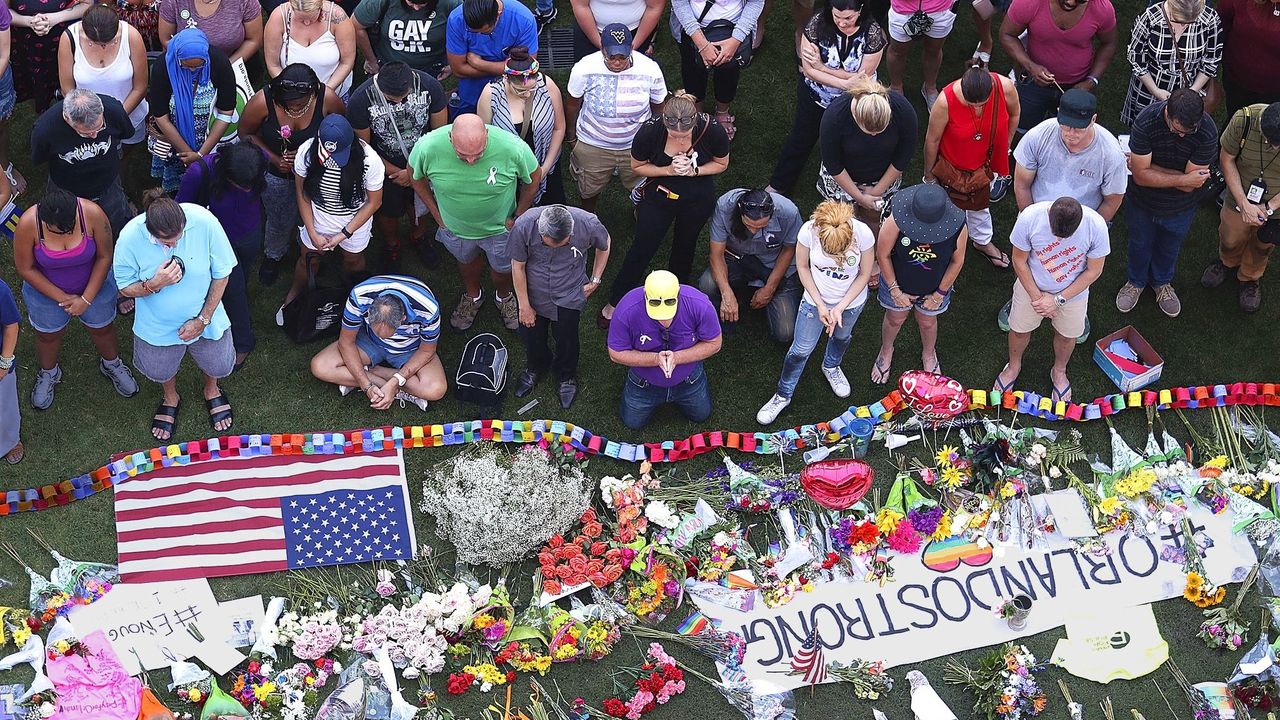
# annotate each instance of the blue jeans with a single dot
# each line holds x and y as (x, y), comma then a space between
(1038, 102)
(235, 299)
(1154, 242)
(544, 7)
(809, 329)
(640, 399)
(745, 279)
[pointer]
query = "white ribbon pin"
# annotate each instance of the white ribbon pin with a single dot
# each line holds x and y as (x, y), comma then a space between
(493, 176)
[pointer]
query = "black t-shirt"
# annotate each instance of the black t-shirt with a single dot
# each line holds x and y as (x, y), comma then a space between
(845, 147)
(710, 142)
(412, 116)
(160, 91)
(919, 267)
(1150, 135)
(84, 167)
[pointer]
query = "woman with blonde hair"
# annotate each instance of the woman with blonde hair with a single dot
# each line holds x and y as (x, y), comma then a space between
(1175, 44)
(833, 257)
(678, 153)
(315, 33)
(867, 138)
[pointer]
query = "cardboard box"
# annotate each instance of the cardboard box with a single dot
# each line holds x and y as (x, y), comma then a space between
(1146, 355)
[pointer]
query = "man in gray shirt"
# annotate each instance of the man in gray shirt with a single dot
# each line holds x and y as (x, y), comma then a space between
(548, 247)
(1071, 156)
(753, 248)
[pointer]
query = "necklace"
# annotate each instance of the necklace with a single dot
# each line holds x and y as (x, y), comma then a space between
(305, 109)
(977, 127)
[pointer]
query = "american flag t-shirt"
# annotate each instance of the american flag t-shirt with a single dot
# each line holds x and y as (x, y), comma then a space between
(237, 516)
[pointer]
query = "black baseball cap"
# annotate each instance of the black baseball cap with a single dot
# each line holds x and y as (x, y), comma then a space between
(1077, 108)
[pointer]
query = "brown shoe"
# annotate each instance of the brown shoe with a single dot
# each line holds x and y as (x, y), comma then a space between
(1128, 297)
(15, 454)
(1250, 296)
(1167, 300)
(1214, 275)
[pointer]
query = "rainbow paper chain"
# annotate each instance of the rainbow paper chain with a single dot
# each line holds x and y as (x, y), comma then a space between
(530, 431)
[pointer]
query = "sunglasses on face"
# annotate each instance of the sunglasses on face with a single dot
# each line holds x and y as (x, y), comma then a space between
(678, 123)
(659, 302)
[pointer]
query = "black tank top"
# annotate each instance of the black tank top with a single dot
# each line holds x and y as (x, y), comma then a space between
(269, 133)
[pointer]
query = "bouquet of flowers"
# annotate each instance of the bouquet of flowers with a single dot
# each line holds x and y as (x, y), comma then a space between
(1004, 683)
(524, 658)
(313, 635)
(869, 679)
(1200, 591)
(654, 586)
(40, 706)
(758, 491)
(585, 558)
(1226, 627)
(416, 635)
(711, 560)
(655, 682)
(953, 470)
(853, 536)
(626, 496)
(497, 508)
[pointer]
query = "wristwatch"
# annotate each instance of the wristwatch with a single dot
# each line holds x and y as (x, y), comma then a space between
(1059, 299)
(400, 379)
(203, 320)
(1096, 83)
(595, 280)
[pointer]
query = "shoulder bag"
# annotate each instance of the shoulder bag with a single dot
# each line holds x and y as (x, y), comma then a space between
(971, 189)
(718, 31)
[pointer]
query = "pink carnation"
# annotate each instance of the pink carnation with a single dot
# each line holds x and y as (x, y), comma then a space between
(904, 539)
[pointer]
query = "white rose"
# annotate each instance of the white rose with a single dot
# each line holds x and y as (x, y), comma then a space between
(47, 710)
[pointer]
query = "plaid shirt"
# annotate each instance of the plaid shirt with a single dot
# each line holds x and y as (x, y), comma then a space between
(1154, 51)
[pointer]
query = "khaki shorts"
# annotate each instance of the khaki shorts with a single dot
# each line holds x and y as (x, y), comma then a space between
(592, 167)
(1069, 322)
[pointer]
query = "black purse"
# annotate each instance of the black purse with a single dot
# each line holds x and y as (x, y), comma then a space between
(718, 31)
(919, 23)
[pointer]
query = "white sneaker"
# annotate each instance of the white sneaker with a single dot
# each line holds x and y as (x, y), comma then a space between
(405, 397)
(345, 390)
(771, 409)
(839, 383)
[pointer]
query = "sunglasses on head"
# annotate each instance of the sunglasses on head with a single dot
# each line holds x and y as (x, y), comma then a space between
(659, 302)
(679, 122)
(301, 85)
(757, 211)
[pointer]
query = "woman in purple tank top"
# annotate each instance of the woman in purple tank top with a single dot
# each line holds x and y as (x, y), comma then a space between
(62, 250)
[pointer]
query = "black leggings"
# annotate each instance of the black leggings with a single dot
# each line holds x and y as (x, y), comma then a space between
(654, 215)
(565, 332)
(799, 145)
(694, 74)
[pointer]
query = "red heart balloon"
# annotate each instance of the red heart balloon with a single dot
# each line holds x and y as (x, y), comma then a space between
(837, 484)
(931, 396)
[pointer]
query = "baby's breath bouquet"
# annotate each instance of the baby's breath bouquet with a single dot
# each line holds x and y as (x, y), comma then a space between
(498, 507)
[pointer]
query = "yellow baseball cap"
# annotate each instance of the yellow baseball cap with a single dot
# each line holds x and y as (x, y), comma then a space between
(661, 294)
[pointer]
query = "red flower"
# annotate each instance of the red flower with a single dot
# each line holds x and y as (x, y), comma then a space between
(34, 624)
(589, 515)
(831, 561)
(592, 529)
(615, 707)
(556, 541)
(671, 673)
(459, 683)
(320, 663)
(254, 666)
(598, 548)
(511, 676)
(552, 587)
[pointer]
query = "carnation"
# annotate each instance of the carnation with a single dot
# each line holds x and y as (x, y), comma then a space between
(498, 507)
(662, 514)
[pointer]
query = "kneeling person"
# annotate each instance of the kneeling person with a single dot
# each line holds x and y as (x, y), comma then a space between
(387, 347)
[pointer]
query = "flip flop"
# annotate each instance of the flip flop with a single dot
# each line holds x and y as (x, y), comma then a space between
(124, 305)
(1003, 387)
(936, 369)
(219, 409)
(15, 454)
(880, 373)
(999, 262)
(929, 98)
(1060, 394)
(166, 426)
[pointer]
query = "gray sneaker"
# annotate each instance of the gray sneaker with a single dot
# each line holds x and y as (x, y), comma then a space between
(465, 314)
(1127, 298)
(120, 376)
(42, 393)
(509, 309)
(1168, 300)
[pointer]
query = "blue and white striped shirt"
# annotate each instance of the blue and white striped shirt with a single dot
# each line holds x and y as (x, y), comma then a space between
(422, 321)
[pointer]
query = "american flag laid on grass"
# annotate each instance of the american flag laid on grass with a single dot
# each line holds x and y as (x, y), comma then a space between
(237, 516)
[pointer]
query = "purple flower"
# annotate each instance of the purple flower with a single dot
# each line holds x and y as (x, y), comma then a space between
(925, 521)
(385, 589)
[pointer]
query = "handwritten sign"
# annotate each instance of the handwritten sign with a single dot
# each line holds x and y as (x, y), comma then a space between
(941, 602)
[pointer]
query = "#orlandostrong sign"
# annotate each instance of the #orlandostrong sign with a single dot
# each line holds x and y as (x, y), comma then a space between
(940, 601)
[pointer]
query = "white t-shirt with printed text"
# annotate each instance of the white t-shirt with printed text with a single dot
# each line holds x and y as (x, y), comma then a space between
(834, 278)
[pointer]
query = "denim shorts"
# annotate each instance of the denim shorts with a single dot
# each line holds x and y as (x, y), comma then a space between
(494, 247)
(8, 96)
(47, 316)
(159, 363)
(886, 301)
(378, 353)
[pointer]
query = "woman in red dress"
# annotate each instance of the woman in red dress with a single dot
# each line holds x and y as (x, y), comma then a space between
(969, 130)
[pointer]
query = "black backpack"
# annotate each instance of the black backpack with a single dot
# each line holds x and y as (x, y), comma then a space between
(317, 311)
(482, 372)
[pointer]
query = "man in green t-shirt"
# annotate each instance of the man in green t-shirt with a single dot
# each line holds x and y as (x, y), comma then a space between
(1249, 151)
(481, 168)
(411, 31)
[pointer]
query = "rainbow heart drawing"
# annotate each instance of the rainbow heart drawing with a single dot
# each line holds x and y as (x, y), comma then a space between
(946, 555)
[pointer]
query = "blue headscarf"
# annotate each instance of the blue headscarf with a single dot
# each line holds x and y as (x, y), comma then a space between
(186, 45)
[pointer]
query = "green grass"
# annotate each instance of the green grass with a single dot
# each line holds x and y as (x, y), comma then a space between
(1212, 342)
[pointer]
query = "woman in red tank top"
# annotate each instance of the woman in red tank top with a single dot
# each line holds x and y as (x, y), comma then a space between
(970, 122)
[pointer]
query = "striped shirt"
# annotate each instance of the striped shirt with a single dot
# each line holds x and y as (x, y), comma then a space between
(422, 321)
(331, 200)
(615, 105)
